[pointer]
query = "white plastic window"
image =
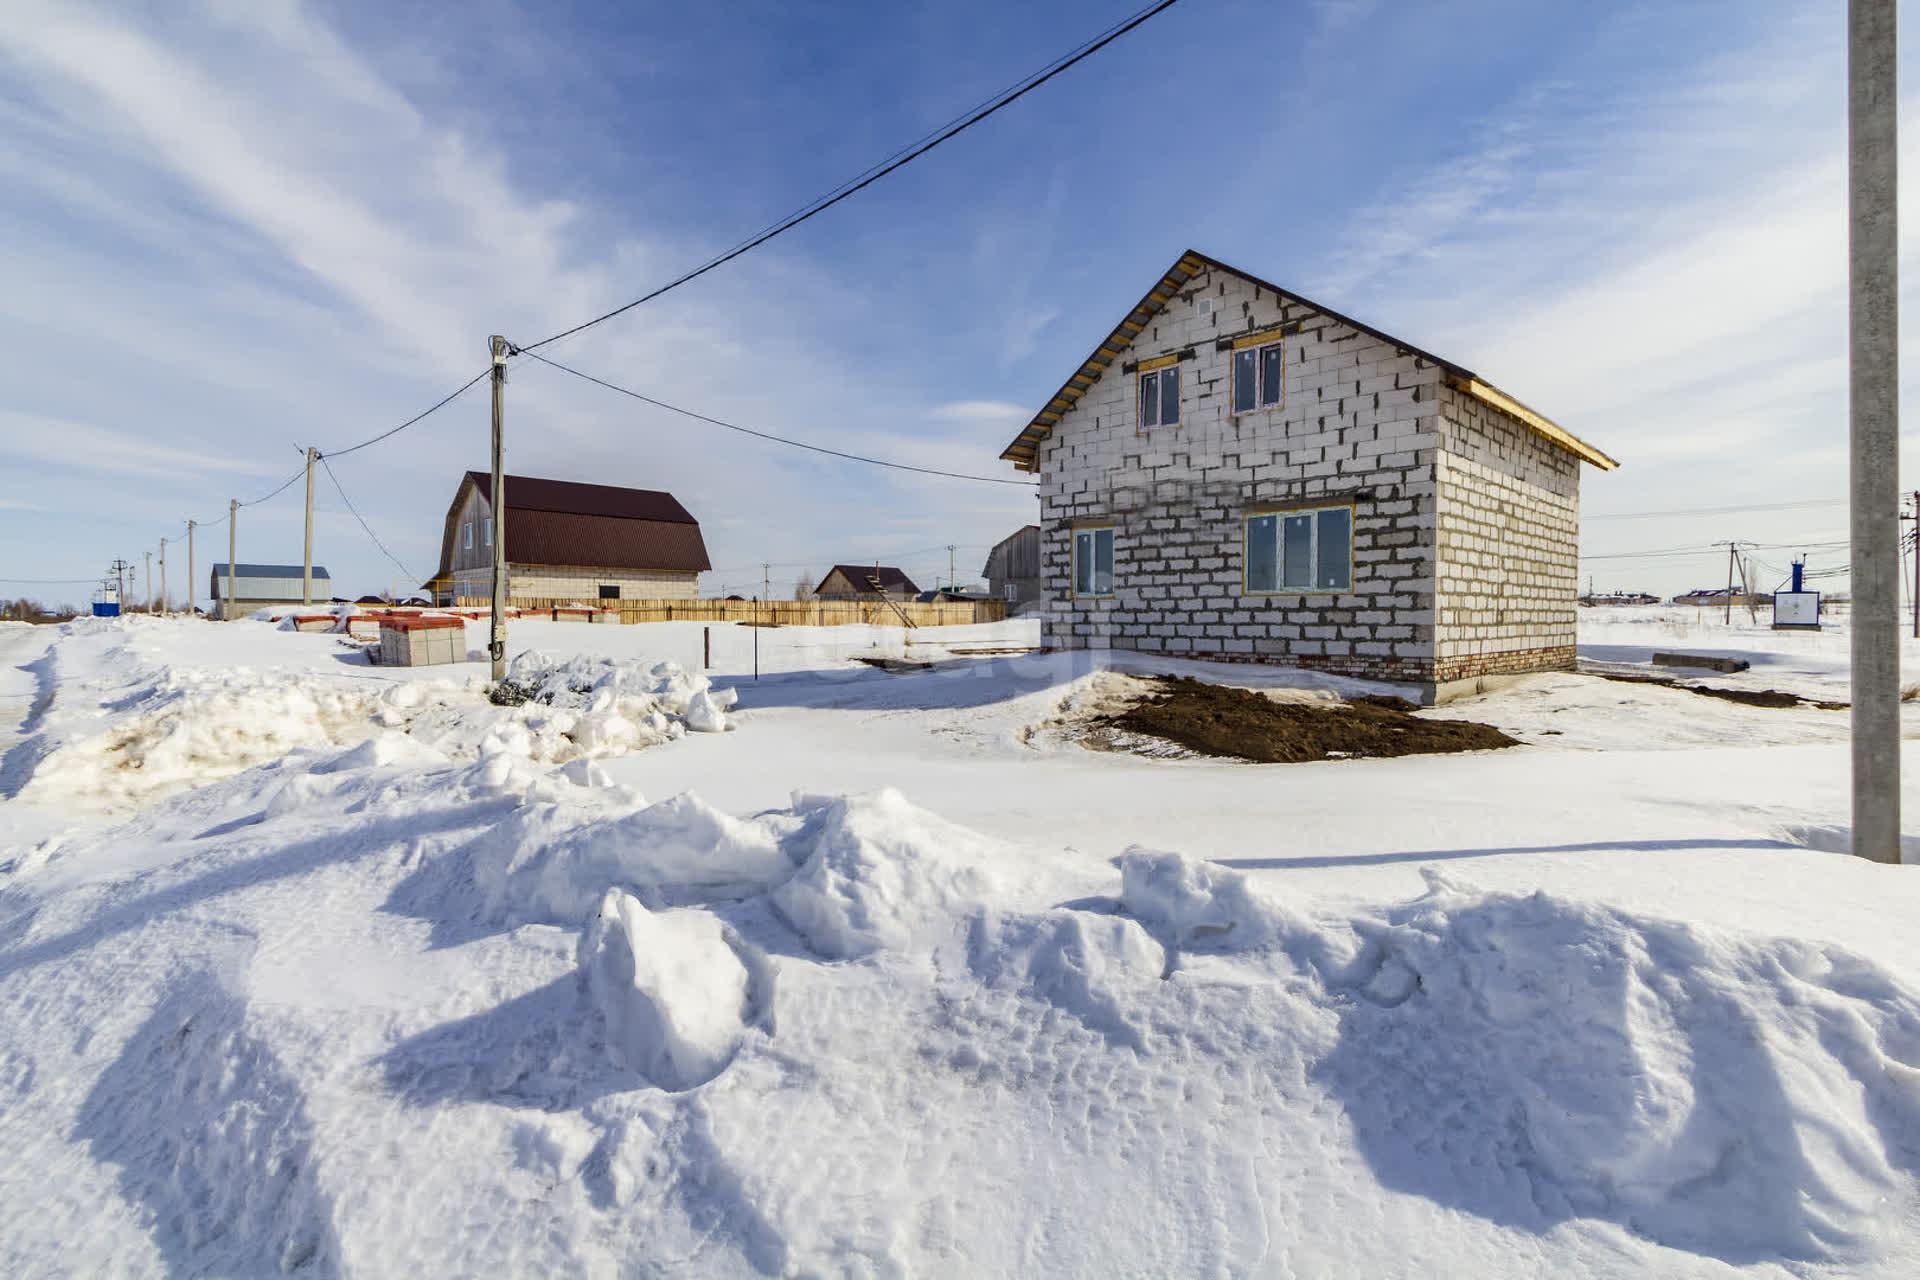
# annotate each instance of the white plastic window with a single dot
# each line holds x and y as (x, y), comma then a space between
(1093, 562)
(1300, 551)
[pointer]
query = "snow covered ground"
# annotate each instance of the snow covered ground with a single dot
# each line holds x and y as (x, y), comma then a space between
(315, 966)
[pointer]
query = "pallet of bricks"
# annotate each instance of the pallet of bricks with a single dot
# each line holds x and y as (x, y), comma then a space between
(421, 641)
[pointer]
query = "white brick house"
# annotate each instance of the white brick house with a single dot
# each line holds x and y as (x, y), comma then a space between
(1239, 473)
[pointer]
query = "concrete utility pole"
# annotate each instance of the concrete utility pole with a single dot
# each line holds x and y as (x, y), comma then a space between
(233, 520)
(190, 592)
(166, 601)
(149, 556)
(952, 580)
(1873, 245)
(497, 648)
(306, 575)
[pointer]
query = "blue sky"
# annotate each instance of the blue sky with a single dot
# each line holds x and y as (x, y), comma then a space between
(235, 228)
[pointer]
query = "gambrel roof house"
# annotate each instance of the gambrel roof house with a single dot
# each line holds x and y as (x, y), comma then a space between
(568, 540)
(1239, 473)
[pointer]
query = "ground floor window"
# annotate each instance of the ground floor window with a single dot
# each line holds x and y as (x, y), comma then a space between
(609, 593)
(1092, 562)
(1299, 551)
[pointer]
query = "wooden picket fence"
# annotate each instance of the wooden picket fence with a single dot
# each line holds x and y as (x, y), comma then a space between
(776, 613)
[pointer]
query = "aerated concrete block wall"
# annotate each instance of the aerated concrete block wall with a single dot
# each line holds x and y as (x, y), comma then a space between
(1509, 526)
(1357, 415)
(578, 582)
(1465, 521)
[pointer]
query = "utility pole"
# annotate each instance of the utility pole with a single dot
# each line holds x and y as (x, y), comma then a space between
(166, 601)
(306, 575)
(189, 568)
(1873, 401)
(233, 519)
(497, 648)
(1730, 559)
(766, 583)
(149, 556)
(1912, 540)
(952, 580)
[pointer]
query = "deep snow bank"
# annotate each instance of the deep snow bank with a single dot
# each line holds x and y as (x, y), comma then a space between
(126, 727)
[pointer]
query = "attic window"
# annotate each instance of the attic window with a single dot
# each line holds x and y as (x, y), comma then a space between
(1259, 377)
(468, 527)
(1160, 396)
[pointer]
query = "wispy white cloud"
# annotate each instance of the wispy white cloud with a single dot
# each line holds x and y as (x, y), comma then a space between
(85, 447)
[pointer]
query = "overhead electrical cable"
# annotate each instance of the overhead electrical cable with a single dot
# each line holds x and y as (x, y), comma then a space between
(411, 576)
(424, 413)
(1715, 511)
(899, 160)
(764, 435)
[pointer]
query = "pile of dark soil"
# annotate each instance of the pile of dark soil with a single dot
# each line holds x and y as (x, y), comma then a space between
(1219, 721)
(1747, 697)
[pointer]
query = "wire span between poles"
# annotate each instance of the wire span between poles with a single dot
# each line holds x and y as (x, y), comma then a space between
(411, 577)
(911, 154)
(763, 435)
(425, 413)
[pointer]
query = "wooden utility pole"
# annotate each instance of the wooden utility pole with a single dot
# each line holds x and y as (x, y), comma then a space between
(306, 575)
(497, 646)
(233, 520)
(189, 568)
(1873, 404)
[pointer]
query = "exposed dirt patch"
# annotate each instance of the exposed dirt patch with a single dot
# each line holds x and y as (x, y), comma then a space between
(1747, 697)
(1215, 720)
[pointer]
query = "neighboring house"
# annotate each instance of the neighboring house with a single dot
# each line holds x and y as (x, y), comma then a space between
(1619, 598)
(568, 541)
(262, 586)
(1013, 567)
(865, 582)
(1239, 473)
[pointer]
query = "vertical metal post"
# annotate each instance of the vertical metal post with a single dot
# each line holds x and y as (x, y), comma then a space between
(497, 646)
(190, 590)
(1916, 564)
(306, 574)
(233, 520)
(1874, 422)
(1729, 618)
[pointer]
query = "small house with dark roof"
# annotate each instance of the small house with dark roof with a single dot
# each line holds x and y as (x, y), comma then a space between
(865, 582)
(571, 541)
(1239, 473)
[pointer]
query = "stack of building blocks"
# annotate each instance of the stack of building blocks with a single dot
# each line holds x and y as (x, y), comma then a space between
(364, 627)
(313, 621)
(579, 614)
(607, 615)
(422, 641)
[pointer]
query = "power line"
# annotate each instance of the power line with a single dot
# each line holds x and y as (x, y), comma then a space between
(901, 159)
(1716, 511)
(411, 576)
(277, 492)
(763, 435)
(394, 431)
(51, 582)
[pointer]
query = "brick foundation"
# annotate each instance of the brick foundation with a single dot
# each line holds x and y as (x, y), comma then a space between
(1513, 662)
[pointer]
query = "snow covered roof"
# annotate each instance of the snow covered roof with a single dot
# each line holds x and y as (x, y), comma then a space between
(1024, 450)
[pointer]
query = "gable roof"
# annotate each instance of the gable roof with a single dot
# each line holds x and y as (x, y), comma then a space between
(1024, 451)
(563, 522)
(891, 579)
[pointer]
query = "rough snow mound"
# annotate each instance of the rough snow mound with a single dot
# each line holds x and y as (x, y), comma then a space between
(596, 684)
(544, 863)
(671, 987)
(184, 727)
(1197, 904)
(1533, 1059)
(877, 872)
